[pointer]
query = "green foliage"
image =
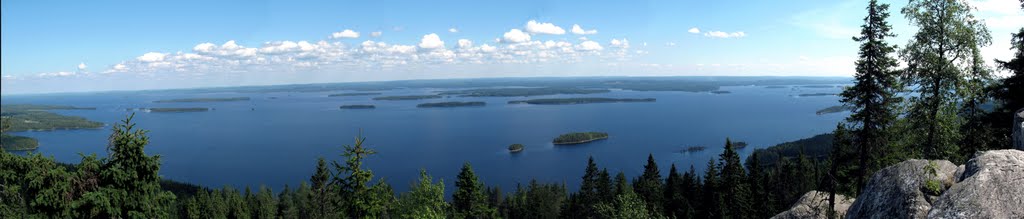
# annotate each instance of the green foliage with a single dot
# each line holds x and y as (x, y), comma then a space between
(818, 147)
(535, 201)
(44, 120)
(358, 197)
(17, 143)
(735, 190)
(939, 61)
(423, 200)
(468, 200)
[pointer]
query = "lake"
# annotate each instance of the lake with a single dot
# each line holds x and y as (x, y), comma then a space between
(275, 138)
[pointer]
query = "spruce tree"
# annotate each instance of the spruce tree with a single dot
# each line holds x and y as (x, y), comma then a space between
(674, 200)
(873, 97)
(735, 191)
(1008, 93)
(425, 199)
(321, 192)
(713, 205)
(468, 200)
(938, 61)
(649, 186)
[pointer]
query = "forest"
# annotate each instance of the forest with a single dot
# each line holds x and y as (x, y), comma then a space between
(943, 120)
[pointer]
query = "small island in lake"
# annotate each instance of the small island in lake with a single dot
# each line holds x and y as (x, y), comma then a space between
(18, 143)
(579, 138)
(409, 97)
(775, 86)
(177, 110)
(580, 100)
(692, 149)
(721, 92)
(354, 94)
(816, 94)
(358, 107)
(833, 109)
(739, 144)
(818, 86)
(451, 104)
(199, 100)
(515, 148)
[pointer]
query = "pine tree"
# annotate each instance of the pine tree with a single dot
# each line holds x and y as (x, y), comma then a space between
(266, 204)
(605, 188)
(321, 204)
(621, 185)
(873, 96)
(649, 186)
(674, 199)
(713, 205)
(938, 58)
(358, 197)
(581, 203)
(761, 203)
(468, 200)
(286, 205)
(735, 191)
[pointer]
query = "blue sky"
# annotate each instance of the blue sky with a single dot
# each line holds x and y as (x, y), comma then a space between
(58, 46)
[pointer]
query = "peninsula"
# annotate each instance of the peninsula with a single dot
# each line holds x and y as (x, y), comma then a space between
(451, 104)
(580, 100)
(200, 100)
(354, 94)
(409, 97)
(358, 107)
(579, 138)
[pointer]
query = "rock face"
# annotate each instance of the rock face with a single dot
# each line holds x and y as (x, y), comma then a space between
(814, 204)
(992, 186)
(1018, 130)
(899, 191)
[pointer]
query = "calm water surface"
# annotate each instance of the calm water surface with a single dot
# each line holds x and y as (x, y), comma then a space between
(275, 138)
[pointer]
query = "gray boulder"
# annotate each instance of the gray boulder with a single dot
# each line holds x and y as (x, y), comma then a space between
(992, 186)
(899, 191)
(814, 204)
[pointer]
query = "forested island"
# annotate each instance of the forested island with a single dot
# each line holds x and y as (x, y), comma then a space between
(200, 100)
(522, 92)
(818, 86)
(833, 109)
(721, 92)
(580, 100)
(775, 86)
(515, 148)
(451, 104)
(579, 138)
(817, 94)
(408, 97)
(18, 143)
(739, 144)
(690, 149)
(177, 109)
(357, 107)
(355, 94)
(25, 117)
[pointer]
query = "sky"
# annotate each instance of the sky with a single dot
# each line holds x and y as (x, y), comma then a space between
(76, 46)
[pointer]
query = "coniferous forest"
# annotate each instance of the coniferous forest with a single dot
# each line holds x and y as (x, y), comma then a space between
(945, 119)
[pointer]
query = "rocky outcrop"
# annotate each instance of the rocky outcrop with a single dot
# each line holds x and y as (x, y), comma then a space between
(814, 204)
(904, 190)
(1018, 129)
(992, 186)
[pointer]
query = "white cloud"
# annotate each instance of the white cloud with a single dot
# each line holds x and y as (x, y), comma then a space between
(670, 44)
(82, 66)
(693, 30)
(576, 29)
(453, 30)
(624, 43)
(515, 36)
(998, 6)
(589, 46)
(57, 74)
(345, 34)
(151, 57)
(464, 43)
(720, 34)
(534, 27)
(431, 41)
(376, 34)
(488, 48)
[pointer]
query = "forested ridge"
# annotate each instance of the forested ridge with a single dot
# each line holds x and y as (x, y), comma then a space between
(944, 120)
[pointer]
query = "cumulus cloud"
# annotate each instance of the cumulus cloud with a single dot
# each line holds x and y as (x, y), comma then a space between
(345, 34)
(431, 41)
(624, 43)
(589, 46)
(376, 34)
(576, 29)
(82, 66)
(693, 30)
(464, 43)
(515, 36)
(535, 27)
(151, 57)
(453, 30)
(57, 74)
(720, 34)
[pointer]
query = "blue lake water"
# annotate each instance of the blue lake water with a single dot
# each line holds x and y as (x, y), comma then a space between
(275, 138)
